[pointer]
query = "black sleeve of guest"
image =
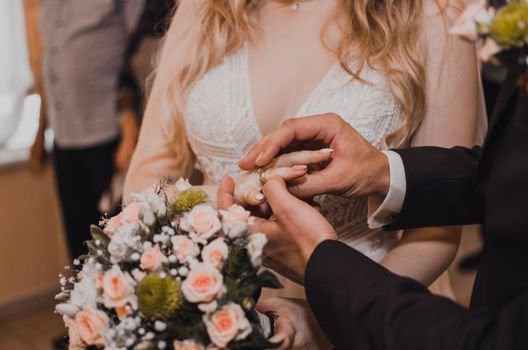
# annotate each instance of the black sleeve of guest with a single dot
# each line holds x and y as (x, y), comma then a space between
(361, 305)
(441, 188)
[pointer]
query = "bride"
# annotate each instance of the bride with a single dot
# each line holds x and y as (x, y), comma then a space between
(232, 70)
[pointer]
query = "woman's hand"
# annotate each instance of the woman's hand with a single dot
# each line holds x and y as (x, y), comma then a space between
(289, 166)
(295, 324)
(129, 135)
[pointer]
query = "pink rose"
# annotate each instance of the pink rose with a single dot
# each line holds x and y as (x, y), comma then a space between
(215, 253)
(202, 284)
(91, 324)
(75, 342)
(187, 345)
(226, 324)
(235, 220)
(152, 259)
(465, 25)
(203, 220)
(235, 215)
(184, 248)
(129, 215)
(118, 288)
(489, 49)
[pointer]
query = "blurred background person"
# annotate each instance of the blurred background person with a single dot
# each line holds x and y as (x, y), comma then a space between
(84, 48)
(96, 57)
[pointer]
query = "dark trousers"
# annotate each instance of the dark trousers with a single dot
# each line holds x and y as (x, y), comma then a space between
(82, 176)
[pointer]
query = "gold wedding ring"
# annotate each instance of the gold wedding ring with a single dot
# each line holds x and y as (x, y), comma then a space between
(261, 177)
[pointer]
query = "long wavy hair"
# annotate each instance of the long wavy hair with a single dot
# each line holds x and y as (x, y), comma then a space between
(381, 34)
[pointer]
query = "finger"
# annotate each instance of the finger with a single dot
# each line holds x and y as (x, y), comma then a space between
(312, 185)
(268, 306)
(262, 210)
(264, 226)
(315, 128)
(279, 199)
(248, 162)
(304, 157)
(286, 174)
(253, 197)
(284, 332)
(225, 192)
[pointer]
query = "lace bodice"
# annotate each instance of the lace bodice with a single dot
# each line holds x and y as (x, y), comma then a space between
(221, 126)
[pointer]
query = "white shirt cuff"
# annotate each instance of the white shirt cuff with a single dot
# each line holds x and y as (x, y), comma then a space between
(381, 213)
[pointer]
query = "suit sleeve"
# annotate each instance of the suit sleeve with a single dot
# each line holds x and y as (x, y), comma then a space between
(361, 305)
(441, 188)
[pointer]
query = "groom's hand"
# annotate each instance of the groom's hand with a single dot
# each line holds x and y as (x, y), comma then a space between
(355, 169)
(294, 233)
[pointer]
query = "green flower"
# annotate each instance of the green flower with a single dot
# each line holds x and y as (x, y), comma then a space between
(188, 199)
(510, 25)
(159, 297)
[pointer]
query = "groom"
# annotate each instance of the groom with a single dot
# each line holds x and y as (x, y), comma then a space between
(358, 303)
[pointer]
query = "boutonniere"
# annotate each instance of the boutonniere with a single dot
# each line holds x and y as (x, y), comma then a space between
(502, 33)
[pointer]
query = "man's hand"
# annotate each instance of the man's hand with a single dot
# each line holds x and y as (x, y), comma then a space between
(295, 231)
(38, 154)
(295, 325)
(356, 168)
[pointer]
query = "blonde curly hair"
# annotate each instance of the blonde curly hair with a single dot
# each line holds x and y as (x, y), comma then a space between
(382, 34)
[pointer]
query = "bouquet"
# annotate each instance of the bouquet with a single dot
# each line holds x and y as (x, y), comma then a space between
(168, 272)
(504, 32)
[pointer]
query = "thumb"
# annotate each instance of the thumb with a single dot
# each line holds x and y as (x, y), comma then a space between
(279, 198)
(225, 194)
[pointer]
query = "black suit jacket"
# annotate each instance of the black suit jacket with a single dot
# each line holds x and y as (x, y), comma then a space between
(361, 305)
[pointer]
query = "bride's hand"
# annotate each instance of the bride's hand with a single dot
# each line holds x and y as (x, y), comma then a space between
(295, 324)
(289, 166)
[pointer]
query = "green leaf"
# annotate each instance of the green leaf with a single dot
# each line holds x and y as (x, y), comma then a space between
(267, 279)
(98, 234)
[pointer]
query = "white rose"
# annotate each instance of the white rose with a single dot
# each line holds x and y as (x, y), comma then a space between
(182, 184)
(256, 243)
(84, 294)
(156, 203)
(235, 221)
(215, 253)
(203, 220)
(147, 215)
(184, 248)
(226, 324)
(202, 284)
(67, 309)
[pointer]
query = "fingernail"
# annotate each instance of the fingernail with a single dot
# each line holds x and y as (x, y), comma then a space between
(259, 196)
(326, 150)
(300, 167)
(259, 157)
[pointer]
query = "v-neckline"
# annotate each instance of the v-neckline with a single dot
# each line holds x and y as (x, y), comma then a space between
(249, 95)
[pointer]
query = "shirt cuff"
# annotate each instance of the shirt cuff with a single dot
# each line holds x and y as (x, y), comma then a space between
(381, 213)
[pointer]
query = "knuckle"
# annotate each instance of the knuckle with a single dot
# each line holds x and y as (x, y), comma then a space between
(300, 343)
(288, 123)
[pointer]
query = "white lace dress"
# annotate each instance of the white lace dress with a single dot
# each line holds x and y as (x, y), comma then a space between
(221, 127)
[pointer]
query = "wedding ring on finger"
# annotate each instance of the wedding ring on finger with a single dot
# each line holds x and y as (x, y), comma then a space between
(261, 176)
